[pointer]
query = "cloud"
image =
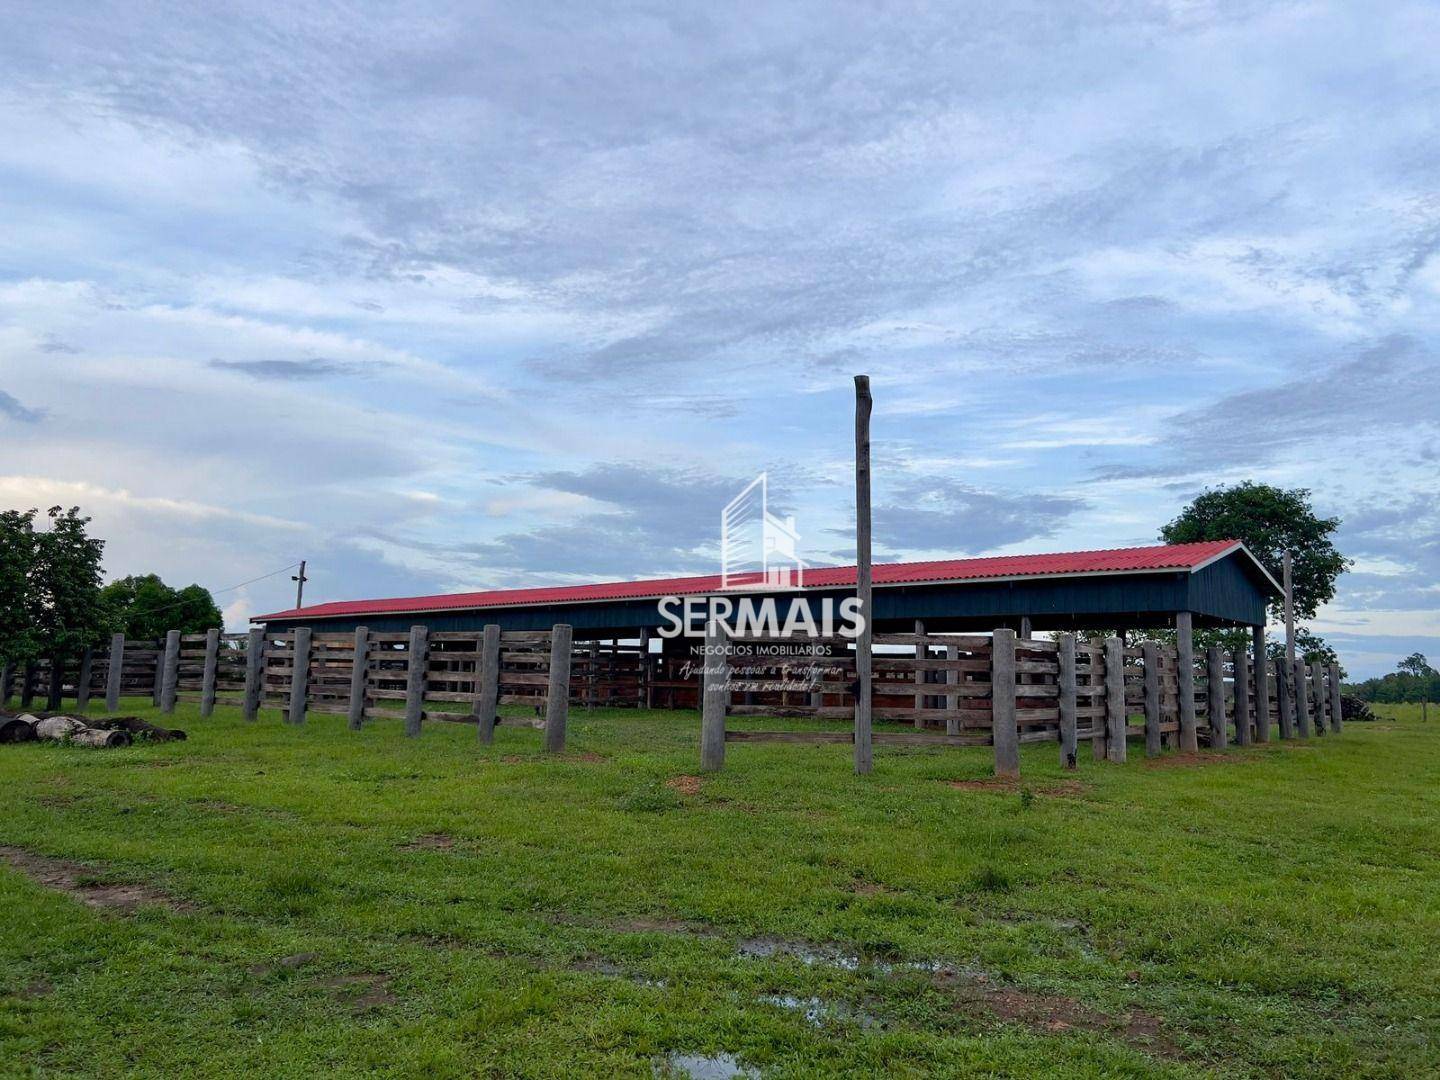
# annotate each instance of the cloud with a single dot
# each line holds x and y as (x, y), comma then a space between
(12, 408)
(286, 370)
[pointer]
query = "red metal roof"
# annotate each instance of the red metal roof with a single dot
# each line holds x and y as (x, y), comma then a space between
(1160, 557)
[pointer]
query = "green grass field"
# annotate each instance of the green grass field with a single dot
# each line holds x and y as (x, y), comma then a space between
(277, 901)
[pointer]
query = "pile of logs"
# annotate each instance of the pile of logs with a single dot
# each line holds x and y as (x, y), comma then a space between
(82, 731)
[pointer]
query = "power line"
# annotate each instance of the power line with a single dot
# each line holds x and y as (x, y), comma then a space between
(216, 592)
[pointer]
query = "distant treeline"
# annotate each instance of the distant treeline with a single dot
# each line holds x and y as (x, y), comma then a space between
(1399, 687)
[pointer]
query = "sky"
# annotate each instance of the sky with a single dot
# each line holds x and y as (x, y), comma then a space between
(445, 297)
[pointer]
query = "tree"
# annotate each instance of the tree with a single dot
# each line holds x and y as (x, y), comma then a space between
(1416, 664)
(144, 607)
(18, 640)
(1269, 521)
(65, 586)
(1311, 648)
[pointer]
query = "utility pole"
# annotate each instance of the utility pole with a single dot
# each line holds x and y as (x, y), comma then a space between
(300, 580)
(1289, 616)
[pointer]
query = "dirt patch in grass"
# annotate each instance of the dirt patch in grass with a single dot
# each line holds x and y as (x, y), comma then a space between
(81, 882)
(1055, 789)
(430, 842)
(684, 785)
(865, 887)
(374, 990)
(1055, 1013)
(285, 963)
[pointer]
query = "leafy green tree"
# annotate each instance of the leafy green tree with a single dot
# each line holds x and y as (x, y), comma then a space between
(1309, 647)
(1270, 521)
(1416, 664)
(65, 586)
(144, 607)
(18, 639)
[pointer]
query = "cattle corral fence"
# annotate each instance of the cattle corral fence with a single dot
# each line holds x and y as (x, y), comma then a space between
(995, 690)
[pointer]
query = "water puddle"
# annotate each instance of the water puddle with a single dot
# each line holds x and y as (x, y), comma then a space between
(817, 1011)
(704, 1067)
(768, 948)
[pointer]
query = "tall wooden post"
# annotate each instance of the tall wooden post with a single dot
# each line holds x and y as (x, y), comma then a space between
(864, 752)
(211, 669)
(1215, 697)
(952, 702)
(557, 702)
(714, 690)
(647, 698)
(1067, 681)
(487, 692)
(1242, 698)
(1302, 698)
(1288, 588)
(417, 670)
(7, 674)
(57, 682)
(359, 679)
(1284, 699)
(1115, 720)
(1337, 710)
(1099, 727)
(1317, 695)
(27, 685)
(115, 672)
(1150, 656)
(82, 681)
(254, 671)
(1004, 732)
(171, 671)
(1262, 686)
(922, 652)
(299, 675)
(1185, 675)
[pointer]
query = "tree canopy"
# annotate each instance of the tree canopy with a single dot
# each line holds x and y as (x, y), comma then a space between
(1270, 521)
(49, 585)
(1413, 680)
(143, 607)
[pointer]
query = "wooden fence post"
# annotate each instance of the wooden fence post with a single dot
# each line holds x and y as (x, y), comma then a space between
(1262, 687)
(115, 672)
(1337, 709)
(157, 692)
(82, 680)
(171, 669)
(299, 675)
(212, 664)
(7, 673)
(715, 693)
(1099, 727)
(1185, 674)
(1068, 695)
(1004, 732)
(647, 692)
(254, 671)
(416, 675)
(864, 702)
(557, 703)
(1302, 699)
(359, 679)
(1242, 698)
(1150, 656)
(487, 692)
(1317, 695)
(922, 652)
(1215, 697)
(1115, 719)
(27, 685)
(1284, 701)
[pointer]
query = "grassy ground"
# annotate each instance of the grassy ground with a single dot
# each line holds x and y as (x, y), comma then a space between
(293, 902)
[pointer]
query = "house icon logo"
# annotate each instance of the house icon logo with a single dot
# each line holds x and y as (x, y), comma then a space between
(757, 549)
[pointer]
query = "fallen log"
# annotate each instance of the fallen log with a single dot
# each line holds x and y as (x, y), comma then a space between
(135, 726)
(57, 727)
(98, 737)
(16, 730)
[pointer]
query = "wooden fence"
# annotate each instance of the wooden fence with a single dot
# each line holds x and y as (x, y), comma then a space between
(1002, 691)
(963, 690)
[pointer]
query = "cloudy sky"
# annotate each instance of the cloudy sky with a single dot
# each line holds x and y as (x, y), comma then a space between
(445, 297)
